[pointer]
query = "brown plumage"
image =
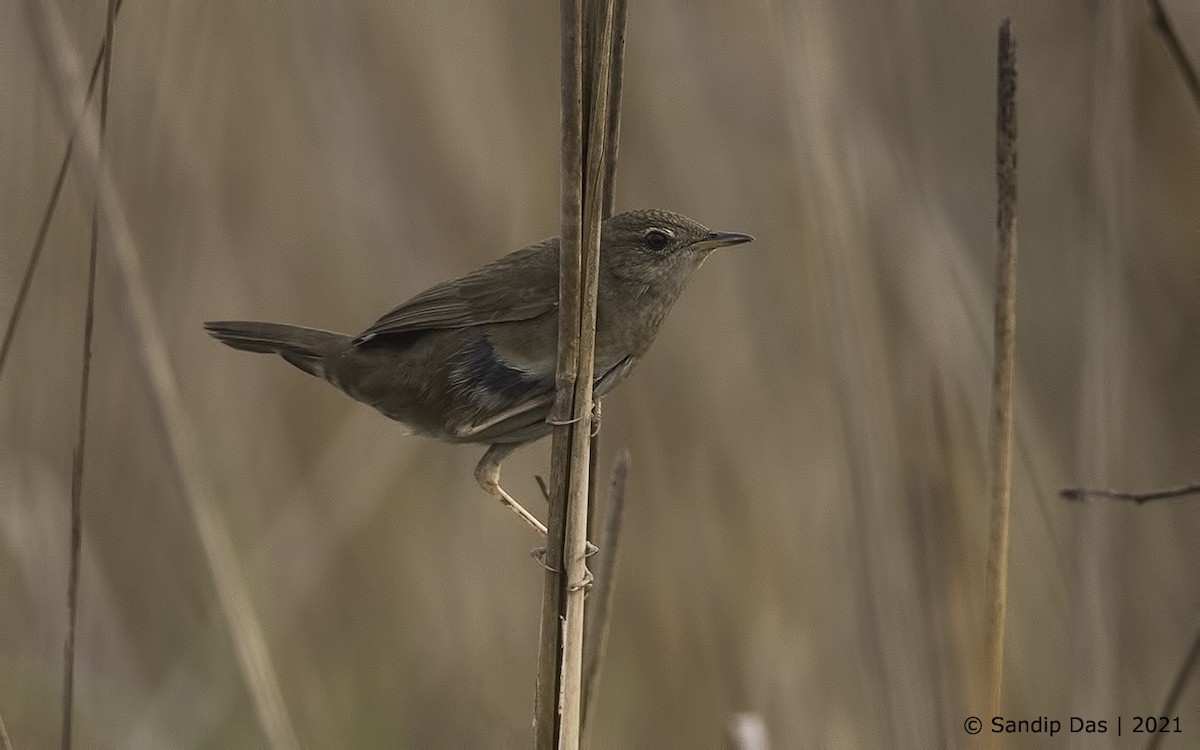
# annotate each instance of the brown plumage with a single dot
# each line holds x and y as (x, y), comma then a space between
(473, 359)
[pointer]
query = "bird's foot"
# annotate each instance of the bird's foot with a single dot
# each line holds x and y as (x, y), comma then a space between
(585, 584)
(539, 554)
(557, 421)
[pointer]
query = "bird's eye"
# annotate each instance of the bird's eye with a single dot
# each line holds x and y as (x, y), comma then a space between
(655, 240)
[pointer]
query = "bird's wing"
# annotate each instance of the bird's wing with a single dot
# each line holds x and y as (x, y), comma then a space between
(519, 286)
(526, 419)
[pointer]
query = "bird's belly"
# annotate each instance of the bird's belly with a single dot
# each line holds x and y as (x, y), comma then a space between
(409, 379)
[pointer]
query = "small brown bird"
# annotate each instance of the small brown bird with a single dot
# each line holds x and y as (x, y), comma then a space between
(473, 360)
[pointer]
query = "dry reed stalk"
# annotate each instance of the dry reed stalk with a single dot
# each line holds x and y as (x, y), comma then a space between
(578, 578)
(51, 39)
(1003, 353)
(558, 706)
(39, 242)
(75, 541)
(616, 81)
(545, 716)
(596, 632)
(617, 73)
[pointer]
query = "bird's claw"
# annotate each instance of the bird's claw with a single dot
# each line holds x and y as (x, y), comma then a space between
(595, 419)
(539, 554)
(585, 584)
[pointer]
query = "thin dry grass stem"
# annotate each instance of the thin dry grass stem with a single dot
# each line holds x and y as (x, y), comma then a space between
(546, 707)
(1162, 22)
(75, 542)
(558, 706)
(39, 242)
(51, 39)
(5, 742)
(593, 473)
(599, 615)
(616, 82)
(616, 76)
(578, 578)
(545, 716)
(1004, 353)
(1171, 493)
(1190, 660)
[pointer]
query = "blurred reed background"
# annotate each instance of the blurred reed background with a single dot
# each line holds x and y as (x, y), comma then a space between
(807, 512)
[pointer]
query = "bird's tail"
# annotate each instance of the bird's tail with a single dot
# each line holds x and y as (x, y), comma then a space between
(305, 348)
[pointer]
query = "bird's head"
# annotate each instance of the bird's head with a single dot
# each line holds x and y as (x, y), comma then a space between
(652, 245)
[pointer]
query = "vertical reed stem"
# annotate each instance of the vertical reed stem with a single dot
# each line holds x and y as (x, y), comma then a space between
(558, 705)
(1003, 354)
(89, 324)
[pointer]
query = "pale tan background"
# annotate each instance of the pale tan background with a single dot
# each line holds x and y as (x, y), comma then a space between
(806, 512)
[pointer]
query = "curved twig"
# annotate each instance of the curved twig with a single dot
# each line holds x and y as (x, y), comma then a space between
(1080, 494)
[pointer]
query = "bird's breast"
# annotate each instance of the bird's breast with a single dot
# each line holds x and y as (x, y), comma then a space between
(628, 322)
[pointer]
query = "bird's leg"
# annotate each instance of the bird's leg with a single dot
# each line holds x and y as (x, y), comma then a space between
(487, 473)
(540, 552)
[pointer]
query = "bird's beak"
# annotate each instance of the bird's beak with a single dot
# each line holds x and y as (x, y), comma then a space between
(720, 239)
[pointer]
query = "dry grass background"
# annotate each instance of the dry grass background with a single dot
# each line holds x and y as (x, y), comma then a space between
(806, 516)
